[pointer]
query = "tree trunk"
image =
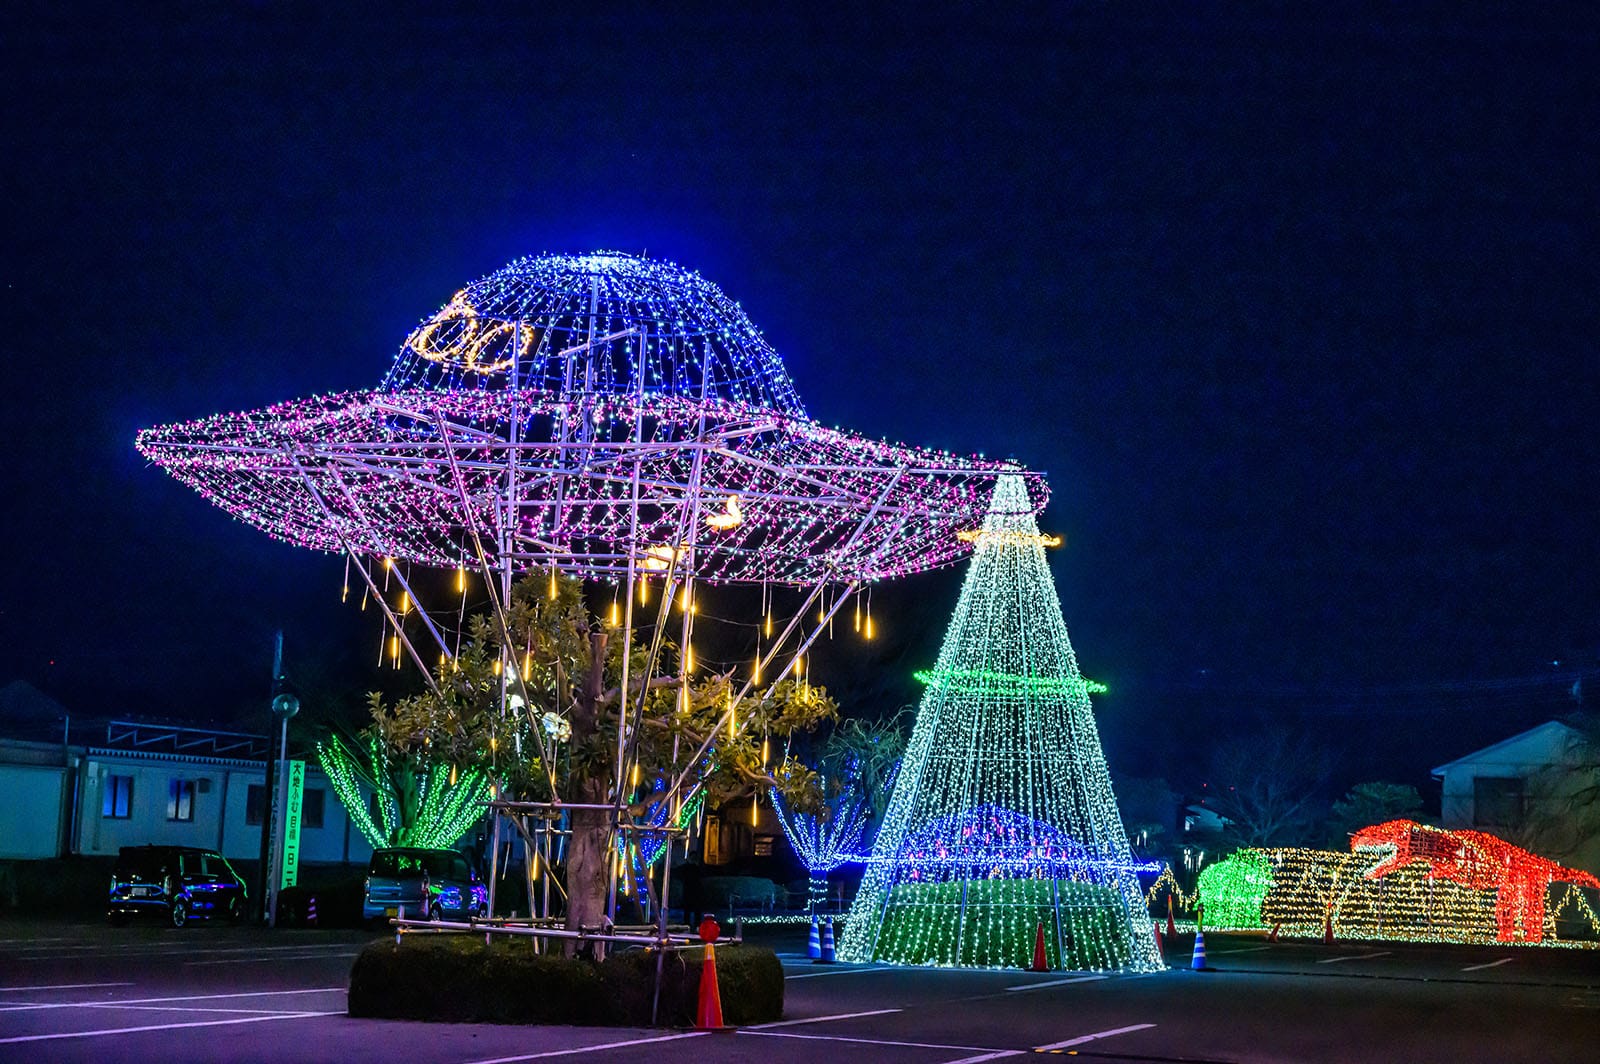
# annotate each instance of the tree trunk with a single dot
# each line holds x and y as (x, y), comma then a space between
(588, 866)
(588, 857)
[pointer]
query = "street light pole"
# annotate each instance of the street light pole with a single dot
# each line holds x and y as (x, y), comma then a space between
(264, 872)
(273, 820)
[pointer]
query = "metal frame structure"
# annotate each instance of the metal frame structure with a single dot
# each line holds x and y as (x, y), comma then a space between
(611, 417)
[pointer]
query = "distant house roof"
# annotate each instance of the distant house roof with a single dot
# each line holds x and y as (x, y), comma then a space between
(1552, 731)
(28, 713)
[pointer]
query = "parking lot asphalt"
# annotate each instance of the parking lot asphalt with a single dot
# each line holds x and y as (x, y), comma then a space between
(80, 991)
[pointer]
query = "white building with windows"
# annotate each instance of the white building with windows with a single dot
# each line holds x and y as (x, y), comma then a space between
(128, 783)
(1534, 789)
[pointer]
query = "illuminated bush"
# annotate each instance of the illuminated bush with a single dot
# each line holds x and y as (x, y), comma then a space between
(1233, 890)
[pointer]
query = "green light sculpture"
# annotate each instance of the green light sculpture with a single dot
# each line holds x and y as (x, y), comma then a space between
(1002, 818)
(430, 807)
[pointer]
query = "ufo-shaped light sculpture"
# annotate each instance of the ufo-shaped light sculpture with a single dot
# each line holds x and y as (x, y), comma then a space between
(605, 415)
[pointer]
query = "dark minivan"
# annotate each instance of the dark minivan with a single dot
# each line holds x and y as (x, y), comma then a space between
(175, 883)
(427, 884)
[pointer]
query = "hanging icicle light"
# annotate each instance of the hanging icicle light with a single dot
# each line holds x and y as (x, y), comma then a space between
(461, 579)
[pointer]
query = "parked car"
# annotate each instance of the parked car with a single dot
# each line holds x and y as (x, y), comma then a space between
(428, 884)
(175, 883)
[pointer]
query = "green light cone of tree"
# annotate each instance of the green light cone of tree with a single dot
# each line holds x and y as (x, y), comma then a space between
(1002, 816)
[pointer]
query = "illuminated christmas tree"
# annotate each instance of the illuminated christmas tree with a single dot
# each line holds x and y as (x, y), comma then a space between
(1002, 817)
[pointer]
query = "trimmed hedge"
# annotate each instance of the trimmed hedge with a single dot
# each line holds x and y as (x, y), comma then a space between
(458, 978)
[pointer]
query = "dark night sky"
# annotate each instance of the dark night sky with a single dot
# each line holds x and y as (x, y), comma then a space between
(1295, 303)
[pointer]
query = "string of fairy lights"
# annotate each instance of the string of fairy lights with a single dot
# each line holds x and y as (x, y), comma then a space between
(616, 419)
(1391, 887)
(448, 801)
(824, 841)
(592, 382)
(1002, 817)
(644, 325)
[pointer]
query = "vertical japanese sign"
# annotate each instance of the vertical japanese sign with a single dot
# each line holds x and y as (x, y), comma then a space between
(295, 787)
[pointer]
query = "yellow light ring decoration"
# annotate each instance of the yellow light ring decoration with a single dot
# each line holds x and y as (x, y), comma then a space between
(466, 344)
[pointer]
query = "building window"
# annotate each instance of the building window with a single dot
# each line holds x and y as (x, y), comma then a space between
(311, 803)
(180, 800)
(1496, 802)
(255, 805)
(117, 802)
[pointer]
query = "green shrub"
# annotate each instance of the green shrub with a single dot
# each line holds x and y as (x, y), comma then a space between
(458, 978)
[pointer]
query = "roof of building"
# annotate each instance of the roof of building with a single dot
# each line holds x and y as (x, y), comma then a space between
(1553, 728)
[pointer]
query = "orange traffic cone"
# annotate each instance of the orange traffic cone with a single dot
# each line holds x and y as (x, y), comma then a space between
(708, 1014)
(1161, 949)
(1327, 929)
(708, 1017)
(1040, 962)
(1272, 936)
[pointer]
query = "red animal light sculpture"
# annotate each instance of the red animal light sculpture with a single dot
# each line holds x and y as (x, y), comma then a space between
(1478, 861)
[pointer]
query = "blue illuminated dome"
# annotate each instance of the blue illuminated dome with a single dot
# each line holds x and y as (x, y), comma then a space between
(600, 324)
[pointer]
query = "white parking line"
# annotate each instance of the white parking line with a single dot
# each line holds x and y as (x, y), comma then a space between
(57, 986)
(839, 971)
(862, 1041)
(276, 960)
(164, 1000)
(595, 1048)
(1491, 964)
(1356, 957)
(163, 1027)
(821, 1019)
(1241, 949)
(1078, 1041)
(186, 1008)
(1056, 982)
(1113, 1032)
